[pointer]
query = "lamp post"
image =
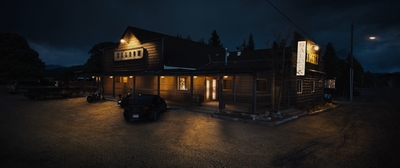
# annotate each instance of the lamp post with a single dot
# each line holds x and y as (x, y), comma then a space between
(351, 61)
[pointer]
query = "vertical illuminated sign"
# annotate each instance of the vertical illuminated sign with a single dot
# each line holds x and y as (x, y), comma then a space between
(301, 58)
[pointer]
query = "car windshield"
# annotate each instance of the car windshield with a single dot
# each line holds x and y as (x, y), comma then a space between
(142, 100)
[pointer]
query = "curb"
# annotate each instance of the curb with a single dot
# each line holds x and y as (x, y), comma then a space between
(271, 123)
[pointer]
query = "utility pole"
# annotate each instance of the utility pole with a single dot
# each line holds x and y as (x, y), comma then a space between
(351, 64)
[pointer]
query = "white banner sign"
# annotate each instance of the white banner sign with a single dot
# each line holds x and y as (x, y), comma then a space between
(301, 58)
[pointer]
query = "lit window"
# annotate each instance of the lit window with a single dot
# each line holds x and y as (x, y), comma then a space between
(117, 79)
(182, 83)
(125, 79)
(299, 86)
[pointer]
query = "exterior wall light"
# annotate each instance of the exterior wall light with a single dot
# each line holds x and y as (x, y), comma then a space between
(124, 41)
(111, 77)
(316, 47)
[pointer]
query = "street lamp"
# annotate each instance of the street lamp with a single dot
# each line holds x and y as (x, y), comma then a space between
(351, 62)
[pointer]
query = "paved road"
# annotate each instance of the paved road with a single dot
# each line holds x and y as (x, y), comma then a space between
(73, 133)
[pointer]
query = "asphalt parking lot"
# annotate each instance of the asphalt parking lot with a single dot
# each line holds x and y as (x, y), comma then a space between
(70, 132)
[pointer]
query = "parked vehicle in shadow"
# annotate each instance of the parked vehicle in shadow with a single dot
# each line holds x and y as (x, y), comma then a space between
(143, 107)
(56, 89)
(21, 86)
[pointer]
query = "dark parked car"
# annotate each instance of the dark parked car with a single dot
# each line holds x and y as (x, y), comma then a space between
(144, 107)
(17, 86)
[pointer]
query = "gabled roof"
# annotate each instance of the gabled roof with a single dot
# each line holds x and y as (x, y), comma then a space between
(256, 60)
(178, 52)
(145, 35)
(183, 54)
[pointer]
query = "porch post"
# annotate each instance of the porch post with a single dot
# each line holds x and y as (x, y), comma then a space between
(158, 85)
(191, 90)
(221, 104)
(234, 88)
(254, 109)
(113, 86)
(134, 86)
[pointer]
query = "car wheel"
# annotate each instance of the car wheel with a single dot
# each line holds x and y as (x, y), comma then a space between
(126, 118)
(41, 96)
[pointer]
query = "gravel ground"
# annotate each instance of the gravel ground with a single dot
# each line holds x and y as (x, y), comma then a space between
(73, 133)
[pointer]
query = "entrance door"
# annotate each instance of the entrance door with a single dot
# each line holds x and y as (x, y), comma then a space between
(211, 89)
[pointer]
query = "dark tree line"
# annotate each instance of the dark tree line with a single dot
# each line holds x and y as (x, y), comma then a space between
(95, 62)
(17, 59)
(339, 69)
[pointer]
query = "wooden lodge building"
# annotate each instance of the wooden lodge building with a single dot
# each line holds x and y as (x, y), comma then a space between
(180, 70)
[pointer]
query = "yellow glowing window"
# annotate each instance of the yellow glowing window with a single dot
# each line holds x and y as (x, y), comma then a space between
(182, 83)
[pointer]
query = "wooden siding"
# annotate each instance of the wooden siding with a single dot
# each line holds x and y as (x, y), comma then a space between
(242, 92)
(108, 85)
(169, 89)
(152, 57)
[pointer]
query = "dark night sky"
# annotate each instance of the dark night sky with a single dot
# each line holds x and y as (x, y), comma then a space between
(63, 32)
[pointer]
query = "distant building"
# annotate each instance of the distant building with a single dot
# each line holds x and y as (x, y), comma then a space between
(185, 71)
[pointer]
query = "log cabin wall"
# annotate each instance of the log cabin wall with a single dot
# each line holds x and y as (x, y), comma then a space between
(150, 52)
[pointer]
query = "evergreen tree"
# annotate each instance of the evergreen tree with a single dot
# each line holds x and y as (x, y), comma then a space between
(17, 59)
(250, 43)
(188, 38)
(94, 63)
(214, 40)
(331, 62)
(358, 71)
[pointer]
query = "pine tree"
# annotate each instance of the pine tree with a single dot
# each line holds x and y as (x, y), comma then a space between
(250, 43)
(331, 62)
(214, 40)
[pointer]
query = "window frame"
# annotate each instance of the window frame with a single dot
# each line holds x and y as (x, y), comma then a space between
(181, 83)
(312, 86)
(299, 86)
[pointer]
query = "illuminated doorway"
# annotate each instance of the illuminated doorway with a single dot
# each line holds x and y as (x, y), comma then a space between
(211, 89)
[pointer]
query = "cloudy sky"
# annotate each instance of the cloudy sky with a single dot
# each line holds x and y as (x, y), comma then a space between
(63, 32)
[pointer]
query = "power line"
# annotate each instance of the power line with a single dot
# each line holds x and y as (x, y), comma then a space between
(290, 21)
